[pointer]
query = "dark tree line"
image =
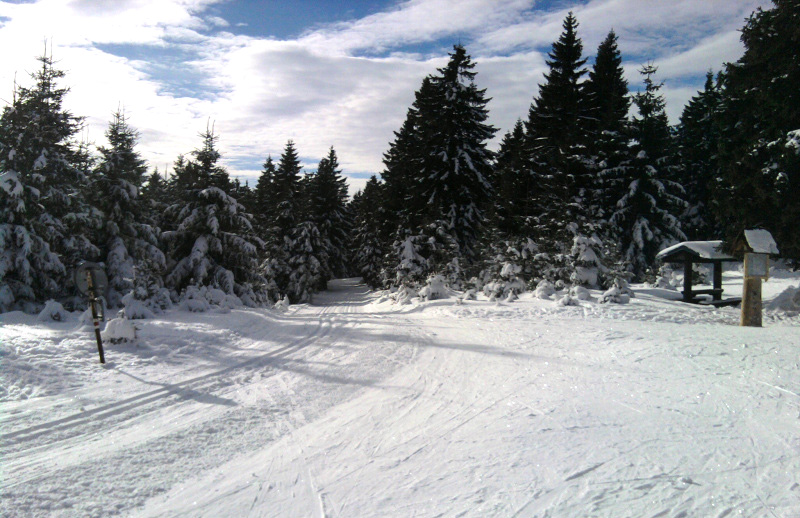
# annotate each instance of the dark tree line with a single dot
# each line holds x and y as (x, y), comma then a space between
(584, 190)
(196, 235)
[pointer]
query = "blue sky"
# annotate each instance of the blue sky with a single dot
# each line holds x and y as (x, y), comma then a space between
(331, 73)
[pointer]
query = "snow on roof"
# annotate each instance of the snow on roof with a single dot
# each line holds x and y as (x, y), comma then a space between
(761, 241)
(704, 249)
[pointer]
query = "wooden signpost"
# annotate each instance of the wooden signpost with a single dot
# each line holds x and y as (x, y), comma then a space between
(758, 245)
(91, 280)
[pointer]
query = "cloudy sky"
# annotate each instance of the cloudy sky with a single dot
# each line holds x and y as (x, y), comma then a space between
(331, 73)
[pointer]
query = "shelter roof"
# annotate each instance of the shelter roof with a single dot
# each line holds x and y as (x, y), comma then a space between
(697, 251)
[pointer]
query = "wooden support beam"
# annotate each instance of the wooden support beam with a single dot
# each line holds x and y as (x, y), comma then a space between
(687, 280)
(718, 280)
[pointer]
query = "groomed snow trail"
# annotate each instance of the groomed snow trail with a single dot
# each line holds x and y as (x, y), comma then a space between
(352, 408)
(228, 385)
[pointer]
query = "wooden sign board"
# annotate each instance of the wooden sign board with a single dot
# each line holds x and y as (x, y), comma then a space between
(99, 279)
(756, 266)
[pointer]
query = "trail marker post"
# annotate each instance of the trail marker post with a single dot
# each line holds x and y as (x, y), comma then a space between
(758, 245)
(91, 280)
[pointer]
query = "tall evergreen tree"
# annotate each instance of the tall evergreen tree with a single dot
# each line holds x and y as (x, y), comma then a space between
(328, 195)
(558, 128)
(286, 185)
(155, 196)
(607, 96)
(513, 184)
(404, 163)
(129, 240)
(213, 244)
(46, 223)
(368, 212)
(698, 139)
(456, 163)
(284, 192)
(607, 89)
(264, 199)
(646, 216)
(760, 115)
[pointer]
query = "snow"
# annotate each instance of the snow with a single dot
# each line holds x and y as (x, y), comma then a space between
(703, 249)
(357, 406)
(119, 330)
(53, 311)
(761, 241)
(788, 300)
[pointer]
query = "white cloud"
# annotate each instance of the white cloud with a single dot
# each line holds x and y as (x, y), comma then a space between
(320, 89)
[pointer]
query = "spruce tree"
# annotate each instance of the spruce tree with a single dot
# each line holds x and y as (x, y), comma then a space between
(698, 140)
(607, 97)
(264, 199)
(454, 181)
(513, 184)
(646, 217)
(368, 212)
(213, 244)
(328, 207)
(558, 133)
(759, 119)
(129, 240)
(46, 225)
(285, 195)
(154, 197)
(404, 163)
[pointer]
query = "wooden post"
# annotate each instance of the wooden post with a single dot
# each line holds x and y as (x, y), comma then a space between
(687, 280)
(717, 279)
(751, 302)
(95, 318)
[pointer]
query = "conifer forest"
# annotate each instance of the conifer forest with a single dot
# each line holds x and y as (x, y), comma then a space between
(585, 189)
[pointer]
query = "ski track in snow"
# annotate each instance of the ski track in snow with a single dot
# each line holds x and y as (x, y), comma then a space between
(354, 408)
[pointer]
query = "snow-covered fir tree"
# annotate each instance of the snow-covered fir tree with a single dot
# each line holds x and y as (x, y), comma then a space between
(759, 167)
(558, 132)
(129, 243)
(154, 197)
(698, 138)
(328, 206)
(586, 261)
(646, 217)
(513, 185)
(368, 212)
(607, 96)
(307, 260)
(46, 224)
(282, 189)
(457, 164)
(404, 166)
(264, 199)
(213, 244)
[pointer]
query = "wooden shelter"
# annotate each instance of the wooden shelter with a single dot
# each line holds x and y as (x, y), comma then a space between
(689, 253)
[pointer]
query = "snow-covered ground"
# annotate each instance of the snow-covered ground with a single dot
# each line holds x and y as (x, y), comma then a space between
(357, 407)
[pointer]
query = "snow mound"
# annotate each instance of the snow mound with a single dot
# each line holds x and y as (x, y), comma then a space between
(619, 293)
(580, 293)
(282, 304)
(568, 300)
(434, 289)
(136, 309)
(119, 330)
(53, 311)
(545, 290)
(202, 299)
(788, 301)
(403, 295)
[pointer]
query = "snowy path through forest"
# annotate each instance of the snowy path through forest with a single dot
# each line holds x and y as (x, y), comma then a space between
(354, 408)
